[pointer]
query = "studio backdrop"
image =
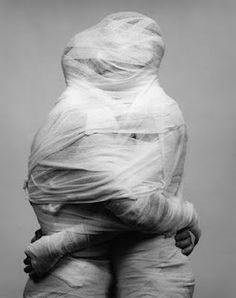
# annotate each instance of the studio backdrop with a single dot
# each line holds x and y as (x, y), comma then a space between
(198, 71)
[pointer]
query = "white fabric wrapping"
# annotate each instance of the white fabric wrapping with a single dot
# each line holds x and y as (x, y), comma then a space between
(114, 138)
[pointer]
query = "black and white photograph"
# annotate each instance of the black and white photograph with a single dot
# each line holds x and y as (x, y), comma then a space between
(118, 149)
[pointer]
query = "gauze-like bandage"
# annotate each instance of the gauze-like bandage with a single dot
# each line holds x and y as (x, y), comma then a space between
(114, 137)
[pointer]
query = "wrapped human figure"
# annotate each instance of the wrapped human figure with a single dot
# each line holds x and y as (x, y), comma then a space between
(109, 160)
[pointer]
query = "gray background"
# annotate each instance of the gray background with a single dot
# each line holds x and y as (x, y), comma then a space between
(198, 71)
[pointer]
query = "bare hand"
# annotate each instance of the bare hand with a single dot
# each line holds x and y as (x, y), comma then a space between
(185, 241)
(27, 261)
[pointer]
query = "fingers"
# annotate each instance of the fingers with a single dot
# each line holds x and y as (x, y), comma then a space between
(28, 269)
(28, 266)
(27, 260)
(182, 235)
(37, 235)
(32, 274)
(187, 251)
(184, 243)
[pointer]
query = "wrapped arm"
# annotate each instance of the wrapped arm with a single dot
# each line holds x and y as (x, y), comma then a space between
(49, 249)
(154, 214)
(163, 212)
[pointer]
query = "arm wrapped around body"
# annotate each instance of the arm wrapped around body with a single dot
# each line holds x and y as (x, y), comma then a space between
(114, 138)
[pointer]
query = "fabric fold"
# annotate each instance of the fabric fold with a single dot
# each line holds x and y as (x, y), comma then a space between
(110, 157)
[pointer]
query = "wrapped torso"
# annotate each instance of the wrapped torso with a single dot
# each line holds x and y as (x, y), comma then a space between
(110, 157)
